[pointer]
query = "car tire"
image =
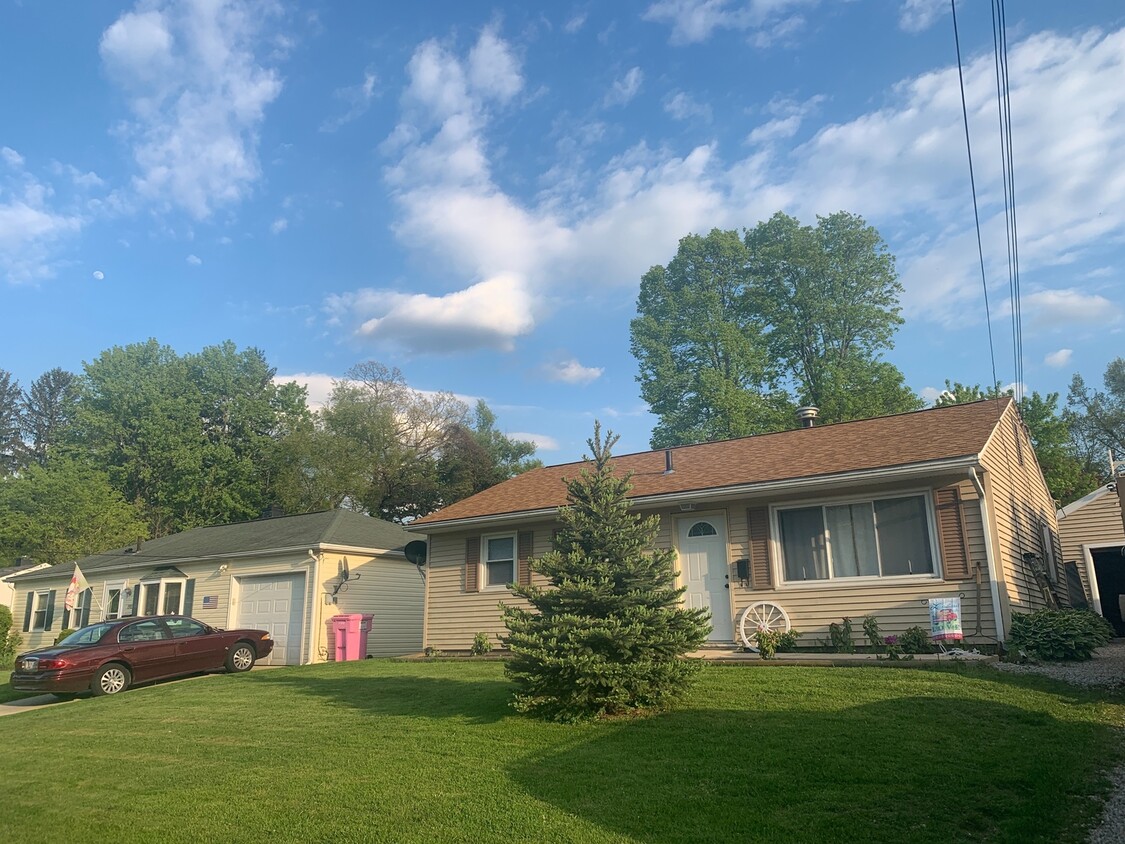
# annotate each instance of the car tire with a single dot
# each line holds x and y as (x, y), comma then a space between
(112, 678)
(241, 657)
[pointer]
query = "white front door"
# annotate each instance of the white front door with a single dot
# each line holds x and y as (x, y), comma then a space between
(703, 566)
(276, 603)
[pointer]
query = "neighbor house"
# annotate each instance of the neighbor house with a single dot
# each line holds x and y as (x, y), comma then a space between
(872, 517)
(1093, 539)
(283, 574)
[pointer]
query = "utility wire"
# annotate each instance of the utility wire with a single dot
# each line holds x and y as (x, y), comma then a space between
(973, 185)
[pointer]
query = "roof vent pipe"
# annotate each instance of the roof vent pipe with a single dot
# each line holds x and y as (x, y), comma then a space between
(807, 416)
(668, 462)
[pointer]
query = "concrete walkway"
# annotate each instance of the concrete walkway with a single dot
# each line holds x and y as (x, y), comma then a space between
(26, 704)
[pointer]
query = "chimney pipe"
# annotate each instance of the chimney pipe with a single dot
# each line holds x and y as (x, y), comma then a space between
(668, 462)
(807, 416)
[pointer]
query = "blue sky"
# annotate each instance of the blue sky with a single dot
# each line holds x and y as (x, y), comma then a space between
(471, 192)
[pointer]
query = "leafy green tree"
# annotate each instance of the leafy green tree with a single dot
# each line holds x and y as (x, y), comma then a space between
(64, 511)
(49, 407)
(830, 296)
(735, 332)
(705, 369)
(11, 443)
(609, 634)
(478, 457)
(1097, 417)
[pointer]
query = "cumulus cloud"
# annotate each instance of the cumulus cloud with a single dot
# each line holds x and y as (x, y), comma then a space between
(681, 106)
(32, 222)
(198, 85)
(1058, 359)
(570, 371)
(194, 260)
(625, 88)
(1069, 307)
(694, 21)
(318, 385)
(919, 15)
(98, 275)
(542, 442)
(575, 23)
(279, 225)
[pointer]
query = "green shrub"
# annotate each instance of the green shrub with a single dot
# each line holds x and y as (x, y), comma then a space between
(1060, 635)
(787, 641)
(66, 631)
(915, 640)
(871, 630)
(10, 641)
(840, 637)
(767, 641)
(481, 645)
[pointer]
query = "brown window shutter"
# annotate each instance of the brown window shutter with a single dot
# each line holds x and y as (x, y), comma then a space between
(952, 536)
(526, 549)
(758, 521)
(472, 564)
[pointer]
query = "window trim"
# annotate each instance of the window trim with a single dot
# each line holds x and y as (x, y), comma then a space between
(40, 604)
(777, 561)
(125, 601)
(482, 573)
(162, 584)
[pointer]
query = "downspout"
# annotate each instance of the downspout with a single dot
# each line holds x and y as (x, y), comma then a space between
(989, 554)
(317, 614)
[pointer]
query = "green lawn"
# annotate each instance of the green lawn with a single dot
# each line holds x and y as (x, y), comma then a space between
(404, 752)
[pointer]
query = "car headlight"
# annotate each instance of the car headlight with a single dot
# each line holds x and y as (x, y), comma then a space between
(265, 636)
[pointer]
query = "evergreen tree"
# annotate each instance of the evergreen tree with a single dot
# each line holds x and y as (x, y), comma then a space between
(609, 635)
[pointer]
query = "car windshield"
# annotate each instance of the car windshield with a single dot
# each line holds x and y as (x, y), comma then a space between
(86, 636)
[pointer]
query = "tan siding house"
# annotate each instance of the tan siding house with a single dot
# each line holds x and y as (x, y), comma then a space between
(873, 517)
(282, 574)
(1093, 538)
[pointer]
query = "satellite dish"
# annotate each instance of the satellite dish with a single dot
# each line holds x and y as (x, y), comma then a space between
(415, 551)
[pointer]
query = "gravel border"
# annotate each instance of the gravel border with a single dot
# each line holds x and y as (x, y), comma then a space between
(1106, 670)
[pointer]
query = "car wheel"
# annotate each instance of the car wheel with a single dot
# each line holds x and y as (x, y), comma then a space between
(241, 658)
(110, 679)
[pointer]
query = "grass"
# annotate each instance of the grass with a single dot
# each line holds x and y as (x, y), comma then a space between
(404, 752)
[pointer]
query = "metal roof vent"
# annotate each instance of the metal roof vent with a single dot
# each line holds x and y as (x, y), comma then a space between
(807, 416)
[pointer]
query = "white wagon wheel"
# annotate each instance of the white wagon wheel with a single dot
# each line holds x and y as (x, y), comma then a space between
(764, 615)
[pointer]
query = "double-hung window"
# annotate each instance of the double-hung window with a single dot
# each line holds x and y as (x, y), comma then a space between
(879, 537)
(162, 597)
(498, 561)
(40, 609)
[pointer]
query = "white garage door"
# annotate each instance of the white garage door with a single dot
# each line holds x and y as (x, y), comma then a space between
(276, 603)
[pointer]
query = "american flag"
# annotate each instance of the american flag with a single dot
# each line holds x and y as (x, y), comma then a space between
(210, 602)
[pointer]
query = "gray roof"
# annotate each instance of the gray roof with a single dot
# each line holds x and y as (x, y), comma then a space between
(309, 530)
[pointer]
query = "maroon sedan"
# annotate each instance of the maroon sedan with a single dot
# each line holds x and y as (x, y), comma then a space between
(109, 657)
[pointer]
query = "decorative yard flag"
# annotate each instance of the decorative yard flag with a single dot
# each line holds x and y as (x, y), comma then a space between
(945, 619)
(77, 586)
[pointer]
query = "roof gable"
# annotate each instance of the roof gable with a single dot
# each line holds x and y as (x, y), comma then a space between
(882, 443)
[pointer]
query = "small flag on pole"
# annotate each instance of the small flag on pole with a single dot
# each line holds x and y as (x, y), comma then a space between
(77, 586)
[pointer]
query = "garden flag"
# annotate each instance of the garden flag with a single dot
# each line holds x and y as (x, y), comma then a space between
(77, 586)
(945, 619)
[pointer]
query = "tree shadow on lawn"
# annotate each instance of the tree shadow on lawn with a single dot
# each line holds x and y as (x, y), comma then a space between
(483, 701)
(911, 769)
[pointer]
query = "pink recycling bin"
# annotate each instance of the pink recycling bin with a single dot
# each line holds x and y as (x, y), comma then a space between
(347, 636)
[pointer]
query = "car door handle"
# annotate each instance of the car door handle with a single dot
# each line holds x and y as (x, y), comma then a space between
(127, 649)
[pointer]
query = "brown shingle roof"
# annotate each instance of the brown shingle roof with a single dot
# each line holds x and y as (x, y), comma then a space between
(923, 436)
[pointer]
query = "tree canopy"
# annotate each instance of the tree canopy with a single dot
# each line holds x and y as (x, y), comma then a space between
(736, 332)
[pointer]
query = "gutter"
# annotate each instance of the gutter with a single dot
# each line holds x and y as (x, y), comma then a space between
(954, 464)
(989, 554)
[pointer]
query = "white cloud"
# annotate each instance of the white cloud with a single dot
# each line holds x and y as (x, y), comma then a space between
(575, 23)
(542, 442)
(930, 394)
(1058, 359)
(625, 88)
(279, 225)
(694, 21)
(919, 15)
(31, 223)
(489, 314)
(194, 260)
(318, 384)
(98, 275)
(356, 98)
(198, 92)
(681, 106)
(570, 371)
(1049, 308)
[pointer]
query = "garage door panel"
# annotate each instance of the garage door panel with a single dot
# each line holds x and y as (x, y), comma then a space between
(275, 603)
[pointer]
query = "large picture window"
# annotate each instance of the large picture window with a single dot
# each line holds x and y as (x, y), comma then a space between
(882, 537)
(162, 597)
(499, 561)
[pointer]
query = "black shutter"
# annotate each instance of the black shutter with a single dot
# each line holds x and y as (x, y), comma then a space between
(27, 614)
(65, 617)
(85, 620)
(50, 619)
(189, 596)
(136, 600)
